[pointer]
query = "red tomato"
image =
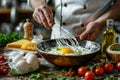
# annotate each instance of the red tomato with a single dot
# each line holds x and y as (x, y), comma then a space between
(118, 66)
(2, 58)
(82, 70)
(99, 71)
(1, 72)
(89, 75)
(109, 67)
(5, 64)
(5, 71)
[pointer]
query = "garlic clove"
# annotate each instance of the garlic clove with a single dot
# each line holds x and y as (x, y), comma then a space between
(17, 58)
(22, 66)
(28, 54)
(32, 59)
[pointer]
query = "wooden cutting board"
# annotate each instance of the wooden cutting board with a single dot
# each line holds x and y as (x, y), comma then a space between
(26, 51)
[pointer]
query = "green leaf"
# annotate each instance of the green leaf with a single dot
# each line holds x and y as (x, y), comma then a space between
(7, 38)
(110, 78)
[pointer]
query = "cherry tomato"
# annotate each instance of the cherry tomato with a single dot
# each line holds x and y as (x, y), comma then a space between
(5, 71)
(2, 61)
(118, 66)
(82, 70)
(109, 67)
(99, 71)
(2, 58)
(89, 75)
(3, 65)
(1, 72)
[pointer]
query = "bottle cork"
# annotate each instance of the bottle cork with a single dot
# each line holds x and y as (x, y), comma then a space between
(28, 30)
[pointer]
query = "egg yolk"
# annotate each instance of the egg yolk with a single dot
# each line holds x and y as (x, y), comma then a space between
(66, 50)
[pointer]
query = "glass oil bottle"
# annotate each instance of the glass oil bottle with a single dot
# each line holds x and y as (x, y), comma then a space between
(108, 36)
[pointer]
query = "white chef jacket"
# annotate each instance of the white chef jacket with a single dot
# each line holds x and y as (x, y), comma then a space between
(73, 12)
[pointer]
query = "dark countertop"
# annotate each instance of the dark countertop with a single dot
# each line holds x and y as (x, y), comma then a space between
(46, 66)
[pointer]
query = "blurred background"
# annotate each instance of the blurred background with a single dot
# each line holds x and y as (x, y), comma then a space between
(13, 14)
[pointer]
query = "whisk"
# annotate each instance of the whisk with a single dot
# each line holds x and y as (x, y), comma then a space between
(69, 39)
(64, 38)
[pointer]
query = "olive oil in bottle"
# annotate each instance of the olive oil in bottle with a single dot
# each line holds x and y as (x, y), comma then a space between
(108, 36)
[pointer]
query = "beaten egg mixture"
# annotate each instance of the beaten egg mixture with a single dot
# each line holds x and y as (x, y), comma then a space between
(65, 50)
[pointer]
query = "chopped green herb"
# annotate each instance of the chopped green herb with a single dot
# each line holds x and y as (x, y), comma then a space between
(36, 76)
(116, 49)
(110, 78)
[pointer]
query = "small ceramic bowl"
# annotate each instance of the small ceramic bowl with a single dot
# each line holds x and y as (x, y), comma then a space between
(113, 52)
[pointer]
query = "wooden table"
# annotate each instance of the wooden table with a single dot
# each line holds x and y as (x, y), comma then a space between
(48, 67)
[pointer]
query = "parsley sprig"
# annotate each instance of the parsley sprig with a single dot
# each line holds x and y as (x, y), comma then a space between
(10, 37)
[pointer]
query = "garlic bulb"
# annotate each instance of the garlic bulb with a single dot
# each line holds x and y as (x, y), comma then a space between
(28, 54)
(24, 64)
(31, 59)
(17, 58)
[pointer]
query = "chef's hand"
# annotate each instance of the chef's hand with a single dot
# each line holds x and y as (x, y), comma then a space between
(91, 32)
(44, 16)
